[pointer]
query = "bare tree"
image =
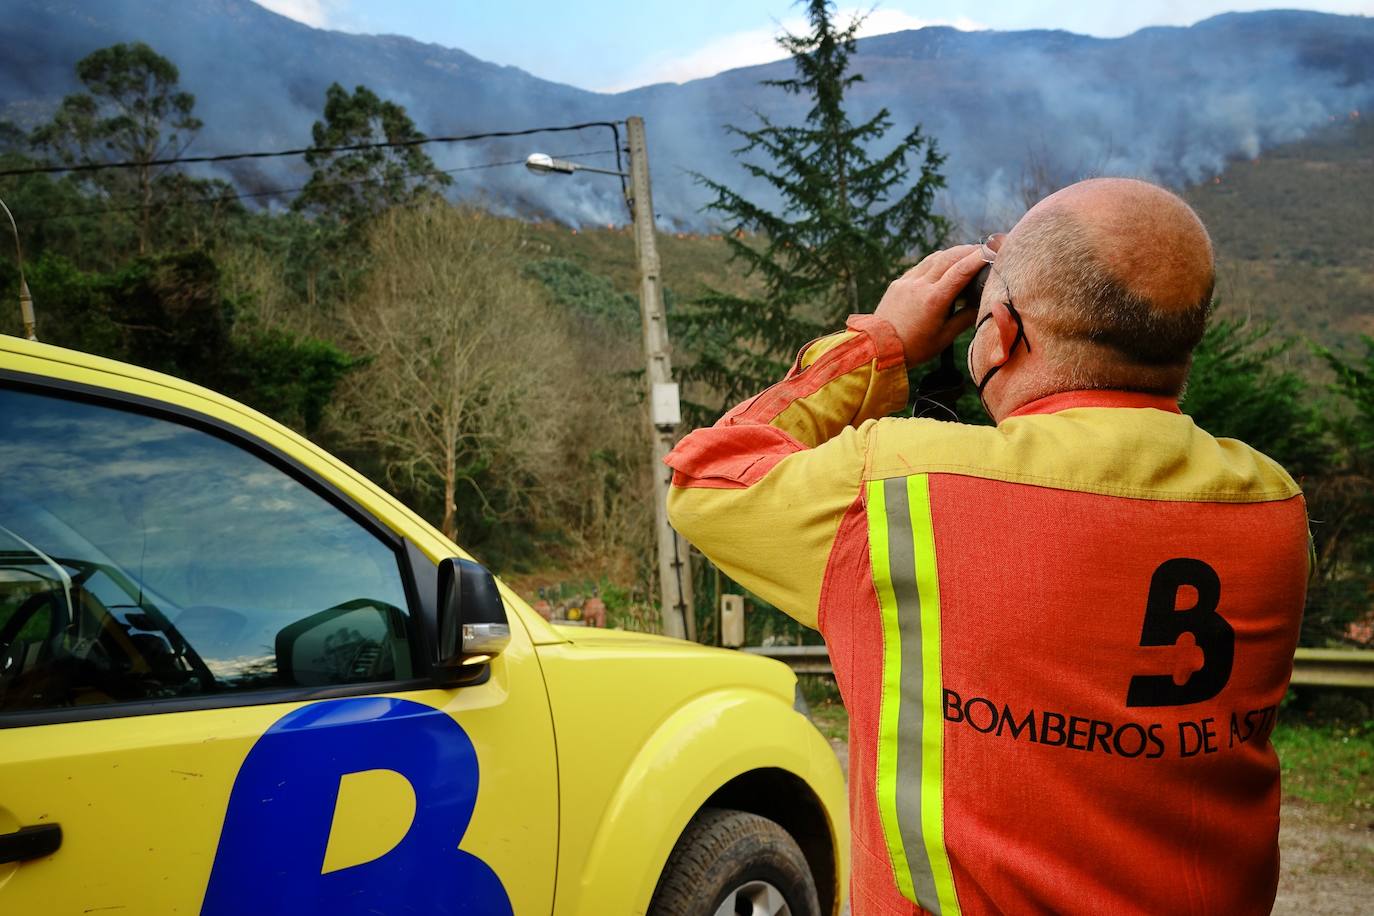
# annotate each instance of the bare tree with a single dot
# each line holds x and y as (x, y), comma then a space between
(1046, 171)
(464, 356)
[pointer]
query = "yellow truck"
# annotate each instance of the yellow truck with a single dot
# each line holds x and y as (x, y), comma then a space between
(236, 677)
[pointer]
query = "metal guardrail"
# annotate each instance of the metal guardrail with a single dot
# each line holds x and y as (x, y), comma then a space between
(1334, 667)
(1322, 667)
(801, 659)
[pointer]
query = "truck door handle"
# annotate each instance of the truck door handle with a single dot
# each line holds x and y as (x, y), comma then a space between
(30, 843)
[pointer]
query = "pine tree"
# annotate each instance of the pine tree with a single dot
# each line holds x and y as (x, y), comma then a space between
(353, 185)
(134, 110)
(846, 222)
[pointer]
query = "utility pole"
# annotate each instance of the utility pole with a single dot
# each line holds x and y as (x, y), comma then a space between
(674, 569)
(25, 300)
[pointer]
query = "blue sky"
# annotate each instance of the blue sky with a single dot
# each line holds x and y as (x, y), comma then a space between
(619, 44)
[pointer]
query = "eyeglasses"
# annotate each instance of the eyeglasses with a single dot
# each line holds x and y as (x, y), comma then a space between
(985, 247)
(989, 255)
(939, 389)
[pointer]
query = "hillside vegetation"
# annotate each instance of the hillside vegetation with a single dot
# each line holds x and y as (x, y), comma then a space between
(691, 262)
(1294, 230)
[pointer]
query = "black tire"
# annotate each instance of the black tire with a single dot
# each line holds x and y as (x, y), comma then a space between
(722, 851)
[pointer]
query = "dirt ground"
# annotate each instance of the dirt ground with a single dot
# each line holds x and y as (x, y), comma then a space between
(1327, 864)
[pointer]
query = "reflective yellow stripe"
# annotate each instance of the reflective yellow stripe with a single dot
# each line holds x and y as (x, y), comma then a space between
(892, 687)
(909, 786)
(932, 690)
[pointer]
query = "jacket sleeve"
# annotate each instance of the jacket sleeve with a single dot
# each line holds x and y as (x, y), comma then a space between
(762, 492)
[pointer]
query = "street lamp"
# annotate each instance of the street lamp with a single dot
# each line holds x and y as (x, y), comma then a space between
(544, 164)
(674, 573)
(25, 300)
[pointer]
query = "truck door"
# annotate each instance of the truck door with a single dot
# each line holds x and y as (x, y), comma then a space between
(213, 691)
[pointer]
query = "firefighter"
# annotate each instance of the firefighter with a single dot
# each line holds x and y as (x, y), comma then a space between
(1061, 639)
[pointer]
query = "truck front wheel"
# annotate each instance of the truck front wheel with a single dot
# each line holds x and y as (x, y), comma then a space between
(733, 863)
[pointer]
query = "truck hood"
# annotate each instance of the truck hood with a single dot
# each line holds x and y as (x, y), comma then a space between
(598, 636)
(650, 650)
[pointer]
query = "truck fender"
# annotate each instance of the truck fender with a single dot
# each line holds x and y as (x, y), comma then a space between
(701, 746)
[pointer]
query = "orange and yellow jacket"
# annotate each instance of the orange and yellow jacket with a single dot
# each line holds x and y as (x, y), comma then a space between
(1061, 641)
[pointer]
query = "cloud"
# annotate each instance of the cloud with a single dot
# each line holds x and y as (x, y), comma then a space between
(310, 12)
(760, 46)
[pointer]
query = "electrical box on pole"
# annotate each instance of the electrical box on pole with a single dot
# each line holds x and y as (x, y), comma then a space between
(732, 621)
(674, 567)
(666, 408)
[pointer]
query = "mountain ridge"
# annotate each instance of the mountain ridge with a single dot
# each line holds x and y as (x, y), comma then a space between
(1172, 103)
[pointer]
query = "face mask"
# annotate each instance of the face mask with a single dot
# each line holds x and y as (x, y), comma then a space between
(1020, 336)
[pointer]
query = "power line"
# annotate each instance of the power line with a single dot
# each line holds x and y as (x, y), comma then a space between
(350, 148)
(272, 192)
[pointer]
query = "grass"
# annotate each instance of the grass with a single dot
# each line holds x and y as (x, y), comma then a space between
(1330, 764)
(831, 720)
(827, 711)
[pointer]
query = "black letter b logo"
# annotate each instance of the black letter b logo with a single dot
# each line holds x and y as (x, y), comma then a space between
(1164, 625)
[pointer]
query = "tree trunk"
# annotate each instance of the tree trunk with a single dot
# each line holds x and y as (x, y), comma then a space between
(851, 283)
(145, 180)
(450, 525)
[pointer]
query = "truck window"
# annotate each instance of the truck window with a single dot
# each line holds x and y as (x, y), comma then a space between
(143, 559)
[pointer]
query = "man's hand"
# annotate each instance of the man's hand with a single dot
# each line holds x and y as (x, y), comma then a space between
(917, 303)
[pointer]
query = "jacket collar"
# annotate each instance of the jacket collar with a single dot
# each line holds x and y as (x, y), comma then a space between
(1066, 400)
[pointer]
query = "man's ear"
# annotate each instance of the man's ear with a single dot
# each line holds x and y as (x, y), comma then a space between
(1006, 334)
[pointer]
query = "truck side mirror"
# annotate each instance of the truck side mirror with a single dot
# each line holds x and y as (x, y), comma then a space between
(472, 619)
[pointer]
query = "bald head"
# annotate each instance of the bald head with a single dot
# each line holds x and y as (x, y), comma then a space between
(1120, 273)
